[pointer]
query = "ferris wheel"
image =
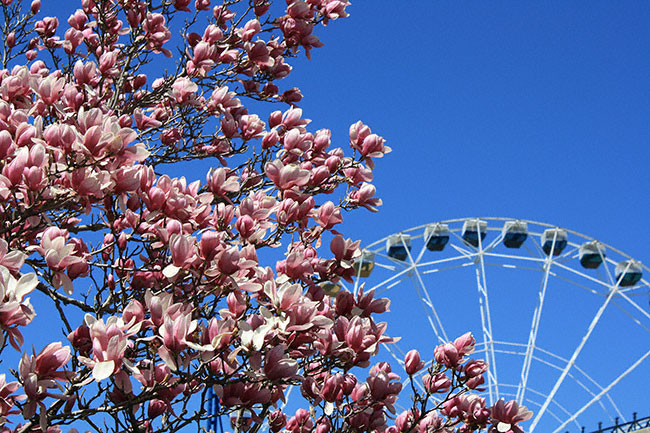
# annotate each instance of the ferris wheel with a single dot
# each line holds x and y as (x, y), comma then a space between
(562, 319)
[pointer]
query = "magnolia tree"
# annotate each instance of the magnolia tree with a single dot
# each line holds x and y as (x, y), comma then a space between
(156, 281)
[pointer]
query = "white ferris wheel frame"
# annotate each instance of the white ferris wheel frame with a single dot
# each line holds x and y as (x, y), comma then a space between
(536, 259)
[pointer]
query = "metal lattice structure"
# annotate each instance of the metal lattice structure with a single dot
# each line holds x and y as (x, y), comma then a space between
(641, 425)
(562, 319)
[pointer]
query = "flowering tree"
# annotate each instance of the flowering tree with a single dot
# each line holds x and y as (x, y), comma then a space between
(156, 281)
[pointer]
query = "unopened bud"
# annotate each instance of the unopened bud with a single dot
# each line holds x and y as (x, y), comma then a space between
(412, 362)
(35, 7)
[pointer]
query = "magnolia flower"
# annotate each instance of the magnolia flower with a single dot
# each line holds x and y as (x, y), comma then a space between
(40, 373)
(506, 417)
(110, 340)
(175, 334)
(412, 362)
(61, 255)
(286, 176)
(279, 366)
(14, 309)
(364, 197)
(6, 399)
(184, 253)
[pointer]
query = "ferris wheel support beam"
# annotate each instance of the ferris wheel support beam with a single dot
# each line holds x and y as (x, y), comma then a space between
(572, 361)
(635, 305)
(486, 325)
(603, 392)
(437, 327)
(532, 337)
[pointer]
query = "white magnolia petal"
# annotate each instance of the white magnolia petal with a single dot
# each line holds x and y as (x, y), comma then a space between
(103, 370)
(503, 427)
(170, 271)
(25, 285)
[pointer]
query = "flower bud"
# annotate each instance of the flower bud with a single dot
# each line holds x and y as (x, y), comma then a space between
(437, 383)
(277, 421)
(35, 7)
(412, 362)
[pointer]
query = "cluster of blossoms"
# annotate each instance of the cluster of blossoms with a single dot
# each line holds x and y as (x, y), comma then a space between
(444, 405)
(156, 279)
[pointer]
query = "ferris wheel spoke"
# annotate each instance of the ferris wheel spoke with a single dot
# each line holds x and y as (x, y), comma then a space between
(464, 251)
(608, 271)
(583, 275)
(567, 255)
(538, 249)
(636, 307)
(496, 241)
(446, 268)
(532, 336)
(469, 255)
(397, 276)
(604, 391)
(423, 249)
(513, 257)
(486, 325)
(572, 361)
(435, 322)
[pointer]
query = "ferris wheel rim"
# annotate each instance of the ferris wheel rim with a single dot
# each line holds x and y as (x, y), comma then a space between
(420, 228)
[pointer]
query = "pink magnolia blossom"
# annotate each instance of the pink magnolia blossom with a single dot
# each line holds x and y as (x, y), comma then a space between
(15, 310)
(40, 373)
(278, 366)
(286, 176)
(184, 253)
(469, 408)
(474, 370)
(364, 197)
(406, 420)
(301, 422)
(7, 400)
(61, 254)
(251, 126)
(328, 215)
(465, 344)
(447, 354)
(110, 340)
(412, 362)
(437, 383)
(506, 416)
(156, 33)
(250, 29)
(175, 333)
(183, 91)
(78, 19)
(50, 89)
(13, 260)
